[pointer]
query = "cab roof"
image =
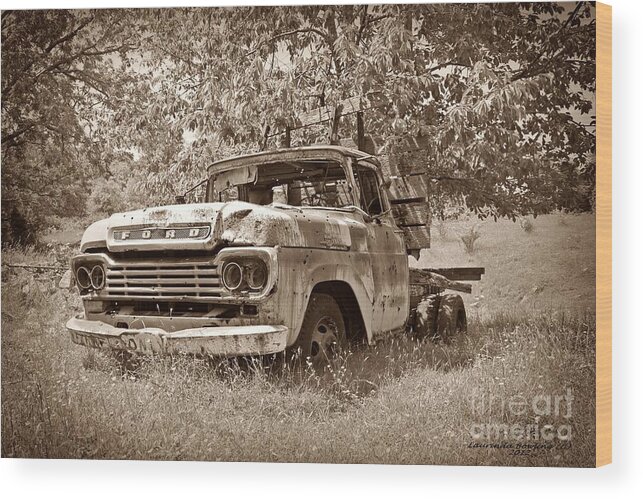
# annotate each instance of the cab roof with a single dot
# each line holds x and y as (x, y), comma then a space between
(291, 154)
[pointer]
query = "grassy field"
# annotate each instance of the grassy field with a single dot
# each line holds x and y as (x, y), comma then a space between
(400, 401)
(552, 267)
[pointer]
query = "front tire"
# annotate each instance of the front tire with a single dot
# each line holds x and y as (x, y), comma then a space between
(323, 332)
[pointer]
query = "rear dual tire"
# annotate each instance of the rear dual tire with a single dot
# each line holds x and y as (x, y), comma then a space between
(441, 317)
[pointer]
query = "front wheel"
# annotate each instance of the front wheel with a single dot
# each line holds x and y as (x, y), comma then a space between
(323, 332)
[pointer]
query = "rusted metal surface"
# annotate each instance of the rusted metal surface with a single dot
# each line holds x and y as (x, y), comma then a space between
(378, 282)
(175, 279)
(221, 341)
(411, 214)
(404, 163)
(427, 278)
(163, 266)
(312, 247)
(237, 223)
(244, 223)
(461, 273)
(417, 238)
(326, 152)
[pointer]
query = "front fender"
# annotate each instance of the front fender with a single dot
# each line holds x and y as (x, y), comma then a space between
(300, 270)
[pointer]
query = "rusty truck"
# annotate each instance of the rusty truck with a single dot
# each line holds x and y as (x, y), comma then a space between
(294, 249)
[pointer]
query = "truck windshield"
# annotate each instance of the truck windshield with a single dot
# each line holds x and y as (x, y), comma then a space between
(296, 183)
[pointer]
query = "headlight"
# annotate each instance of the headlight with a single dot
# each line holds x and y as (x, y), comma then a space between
(248, 274)
(98, 277)
(232, 276)
(90, 276)
(83, 277)
(257, 275)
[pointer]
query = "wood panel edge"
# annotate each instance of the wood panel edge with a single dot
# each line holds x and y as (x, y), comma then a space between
(603, 234)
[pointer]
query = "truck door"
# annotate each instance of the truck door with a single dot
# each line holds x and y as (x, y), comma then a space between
(387, 252)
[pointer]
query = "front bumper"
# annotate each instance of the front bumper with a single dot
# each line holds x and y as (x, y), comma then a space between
(231, 341)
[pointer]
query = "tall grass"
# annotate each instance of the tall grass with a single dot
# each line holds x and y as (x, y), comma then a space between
(399, 401)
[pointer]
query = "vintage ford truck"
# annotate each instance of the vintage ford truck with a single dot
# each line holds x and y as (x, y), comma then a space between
(292, 249)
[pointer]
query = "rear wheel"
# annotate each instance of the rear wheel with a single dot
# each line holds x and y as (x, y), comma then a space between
(323, 332)
(452, 318)
(426, 317)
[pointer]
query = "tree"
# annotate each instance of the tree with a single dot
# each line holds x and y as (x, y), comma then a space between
(64, 90)
(501, 93)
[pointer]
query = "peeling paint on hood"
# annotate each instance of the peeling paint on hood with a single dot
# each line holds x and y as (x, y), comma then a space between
(233, 223)
(166, 227)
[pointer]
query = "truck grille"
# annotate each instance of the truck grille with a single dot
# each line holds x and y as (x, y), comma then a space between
(181, 280)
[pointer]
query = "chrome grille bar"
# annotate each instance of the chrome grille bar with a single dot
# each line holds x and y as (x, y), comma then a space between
(166, 281)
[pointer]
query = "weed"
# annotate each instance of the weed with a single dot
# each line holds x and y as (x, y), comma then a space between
(469, 239)
(527, 225)
(443, 228)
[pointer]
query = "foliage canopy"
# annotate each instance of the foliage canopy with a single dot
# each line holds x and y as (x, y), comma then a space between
(502, 95)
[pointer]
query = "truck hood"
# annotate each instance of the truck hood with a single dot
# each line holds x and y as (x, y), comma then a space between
(205, 226)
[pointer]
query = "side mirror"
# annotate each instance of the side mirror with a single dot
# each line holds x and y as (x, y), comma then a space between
(180, 199)
(387, 183)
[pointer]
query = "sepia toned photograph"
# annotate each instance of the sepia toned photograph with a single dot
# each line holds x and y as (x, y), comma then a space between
(305, 234)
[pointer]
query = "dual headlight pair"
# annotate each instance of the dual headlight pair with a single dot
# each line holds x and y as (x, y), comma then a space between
(90, 277)
(244, 274)
(239, 274)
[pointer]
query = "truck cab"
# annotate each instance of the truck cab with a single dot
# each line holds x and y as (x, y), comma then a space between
(293, 249)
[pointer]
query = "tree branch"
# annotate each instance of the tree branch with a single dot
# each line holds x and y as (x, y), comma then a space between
(362, 25)
(447, 64)
(284, 35)
(526, 71)
(77, 75)
(17, 133)
(68, 36)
